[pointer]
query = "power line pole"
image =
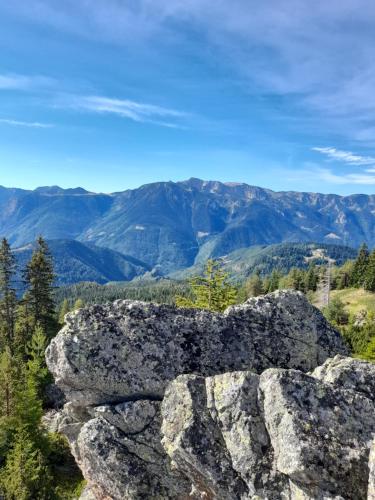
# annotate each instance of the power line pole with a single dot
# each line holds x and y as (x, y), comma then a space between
(326, 284)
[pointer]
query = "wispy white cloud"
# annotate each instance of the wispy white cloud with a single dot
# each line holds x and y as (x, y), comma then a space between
(18, 123)
(320, 56)
(125, 108)
(12, 81)
(328, 176)
(324, 53)
(345, 156)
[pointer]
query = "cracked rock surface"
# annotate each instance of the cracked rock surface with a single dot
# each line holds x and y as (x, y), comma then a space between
(371, 481)
(167, 403)
(284, 434)
(129, 350)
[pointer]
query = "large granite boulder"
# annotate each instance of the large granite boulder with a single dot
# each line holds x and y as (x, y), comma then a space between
(281, 435)
(127, 350)
(167, 403)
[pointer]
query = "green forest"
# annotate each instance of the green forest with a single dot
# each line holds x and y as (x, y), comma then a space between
(34, 463)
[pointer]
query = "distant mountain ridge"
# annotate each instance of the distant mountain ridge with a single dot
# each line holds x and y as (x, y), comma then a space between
(174, 225)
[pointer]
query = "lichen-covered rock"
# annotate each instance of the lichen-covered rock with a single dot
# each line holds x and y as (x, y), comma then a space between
(89, 494)
(110, 353)
(348, 373)
(213, 430)
(195, 443)
(283, 434)
(371, 465)
(233, 401)
(167, 403)
(321, 431)
(119, 452)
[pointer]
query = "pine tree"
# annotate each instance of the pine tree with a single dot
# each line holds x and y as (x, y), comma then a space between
(295, 279)
(211, 291)
(335, 312)
(25, 326)
(39, 278)
(369, 282)
(344, 275)
(274, 281)
(8, 381)
(26, 474)
(27, 471)
(360, 267)
(28, 407)
(311, 279)
(64, 309)
(36, 363)
(8, 298)
(254, 286)
(78, 304)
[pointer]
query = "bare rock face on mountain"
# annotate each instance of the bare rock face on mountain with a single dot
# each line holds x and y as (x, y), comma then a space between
(113, 352)
(167, 403)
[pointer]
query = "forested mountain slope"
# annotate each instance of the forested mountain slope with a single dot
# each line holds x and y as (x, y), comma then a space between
(174, 225)
(75, 262)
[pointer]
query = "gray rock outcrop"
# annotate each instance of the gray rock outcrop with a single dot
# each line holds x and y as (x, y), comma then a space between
(129, 350)
(283, 434)
(371, 480)
(167, 403)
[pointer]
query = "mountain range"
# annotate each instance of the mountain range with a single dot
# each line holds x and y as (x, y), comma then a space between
(169, 226)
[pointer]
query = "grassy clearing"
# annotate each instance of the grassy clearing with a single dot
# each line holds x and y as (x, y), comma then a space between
(355, 299)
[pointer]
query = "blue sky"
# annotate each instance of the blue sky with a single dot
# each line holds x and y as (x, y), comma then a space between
(112, 94)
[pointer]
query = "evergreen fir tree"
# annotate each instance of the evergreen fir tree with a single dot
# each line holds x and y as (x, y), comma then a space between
(295, 279)
(64, 309)
(39, 278)
(8, 298)
(344, 275)
(211, 291)
(335, 312)
(311, 279)
(26, 474)
(370, 273)
(360, 267)
(24, 328)
(254, 286)
(78, 304)
(274, 281)
(8, 380)
(28, 407)
(36, 363)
